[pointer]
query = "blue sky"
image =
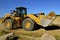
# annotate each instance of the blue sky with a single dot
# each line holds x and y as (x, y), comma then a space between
(33, 6)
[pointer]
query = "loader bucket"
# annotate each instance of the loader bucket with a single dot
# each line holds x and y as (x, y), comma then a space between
(48, 19)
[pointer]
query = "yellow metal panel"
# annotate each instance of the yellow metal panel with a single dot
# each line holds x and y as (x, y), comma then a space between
(17, 18)
(34, 18)
(8, 15)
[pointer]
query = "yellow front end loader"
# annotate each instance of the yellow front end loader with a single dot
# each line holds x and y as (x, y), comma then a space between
(20, 18)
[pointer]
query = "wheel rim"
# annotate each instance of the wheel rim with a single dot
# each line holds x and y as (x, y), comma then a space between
(8, 24)
(27, 24)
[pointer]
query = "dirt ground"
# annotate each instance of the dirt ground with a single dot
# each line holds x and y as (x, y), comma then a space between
(21, 34)
(36, 34)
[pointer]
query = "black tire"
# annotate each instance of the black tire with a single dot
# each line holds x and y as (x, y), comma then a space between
(11, 24)
(31, 26)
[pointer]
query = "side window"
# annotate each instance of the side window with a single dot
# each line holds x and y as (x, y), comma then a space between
(23, 11)
(19, 11)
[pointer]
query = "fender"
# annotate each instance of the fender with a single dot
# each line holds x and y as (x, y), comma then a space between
(8, 16)
(34, 18)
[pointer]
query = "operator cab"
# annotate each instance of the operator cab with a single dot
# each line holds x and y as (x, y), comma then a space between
(20, 11)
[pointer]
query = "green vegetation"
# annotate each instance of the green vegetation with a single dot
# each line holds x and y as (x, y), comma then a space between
(58, 37)
(57, 15)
